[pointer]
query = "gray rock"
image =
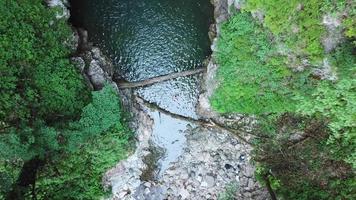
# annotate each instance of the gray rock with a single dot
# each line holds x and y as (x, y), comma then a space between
(96, 75)
(210, 181)
(184, 194)
(79, 63)
(296, 136)
(204, 184)
(62, 4)
(334, 34)
(249, 171)
(326, 72)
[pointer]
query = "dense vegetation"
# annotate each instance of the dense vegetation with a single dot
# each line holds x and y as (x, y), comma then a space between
(307, 136)
(54, 136)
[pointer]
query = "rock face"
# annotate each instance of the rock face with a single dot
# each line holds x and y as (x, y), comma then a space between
(96, 69)
(222, 11)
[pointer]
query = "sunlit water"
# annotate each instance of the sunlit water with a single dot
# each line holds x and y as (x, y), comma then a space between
(148, 38)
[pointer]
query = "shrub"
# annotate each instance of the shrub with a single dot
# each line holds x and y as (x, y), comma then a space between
(253, 79)
(306, 127)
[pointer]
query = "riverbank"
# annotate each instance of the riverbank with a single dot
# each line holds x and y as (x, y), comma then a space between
(207, 165)
(202, 171)
(275, 105)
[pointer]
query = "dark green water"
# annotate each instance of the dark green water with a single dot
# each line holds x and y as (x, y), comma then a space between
(148, 38)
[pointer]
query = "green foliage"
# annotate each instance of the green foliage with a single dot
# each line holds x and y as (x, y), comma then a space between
(350, 24)
(42, 97)
(82, 178)
(306, 125)
(37, 80)
(102, 114)
(344, 190)
(298, 22)
(101, 140)
(303, 168)
(230, 192)
(253, 79)
(349, 21)
(337, 104)
(38, 86)
(8, 174)
(261, 172)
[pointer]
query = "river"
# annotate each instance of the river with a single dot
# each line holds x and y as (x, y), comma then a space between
(149, 38)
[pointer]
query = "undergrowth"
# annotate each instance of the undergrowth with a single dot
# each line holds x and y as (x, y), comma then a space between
(306, 125)
(254, 78)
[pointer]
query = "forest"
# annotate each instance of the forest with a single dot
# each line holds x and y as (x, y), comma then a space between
(292, 70)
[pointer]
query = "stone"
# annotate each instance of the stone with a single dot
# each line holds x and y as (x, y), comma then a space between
(79, 63)
(199, 178)
(184, 175)
(96, 74)
(204, 184)
(147, 184)
(62, 4)
(121, 195)
(296, 136)
(259, 15)
(334, 34)
(250, 184)
(184, 194)
(325, 72)
(105, 64)
(210, 181)
(249, 171)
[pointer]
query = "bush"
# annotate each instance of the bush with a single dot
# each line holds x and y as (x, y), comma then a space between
(298, 22)
(44, 116)
(80, 174)
(306, 126)
(253, 78)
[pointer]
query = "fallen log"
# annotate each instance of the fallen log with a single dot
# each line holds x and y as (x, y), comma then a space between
(203, 122)
(160, 78)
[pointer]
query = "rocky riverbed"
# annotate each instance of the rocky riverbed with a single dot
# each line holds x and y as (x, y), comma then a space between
(212, 158)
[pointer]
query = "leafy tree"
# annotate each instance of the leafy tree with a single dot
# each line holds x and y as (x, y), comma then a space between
(97, 142)
(39, 87)
(305, 144)
(46, 123)
(253, 78)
